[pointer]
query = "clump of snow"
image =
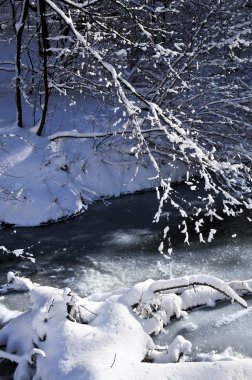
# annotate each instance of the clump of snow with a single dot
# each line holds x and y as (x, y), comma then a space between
(16, 283)
(172, 354)
(20, 252)
(107, 336)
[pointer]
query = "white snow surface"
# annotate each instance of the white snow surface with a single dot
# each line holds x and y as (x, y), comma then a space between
(43, 180)
(63, 336)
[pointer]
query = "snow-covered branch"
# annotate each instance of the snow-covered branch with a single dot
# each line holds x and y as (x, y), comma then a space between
(62, 327)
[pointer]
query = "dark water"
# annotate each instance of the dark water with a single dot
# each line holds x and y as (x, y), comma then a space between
(117, 245)
(87, 249)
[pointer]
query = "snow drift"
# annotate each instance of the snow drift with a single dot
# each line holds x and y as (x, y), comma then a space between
(108, 335)
(44, 180)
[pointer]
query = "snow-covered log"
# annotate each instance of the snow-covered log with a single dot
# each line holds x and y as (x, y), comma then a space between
(63, 336)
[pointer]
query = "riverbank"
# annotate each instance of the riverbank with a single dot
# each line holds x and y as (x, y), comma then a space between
(44, 181)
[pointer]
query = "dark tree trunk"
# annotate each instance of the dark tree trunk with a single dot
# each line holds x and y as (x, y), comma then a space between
(45, 45)
(19, 26)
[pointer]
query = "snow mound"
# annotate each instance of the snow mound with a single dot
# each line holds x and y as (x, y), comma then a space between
(63, 336)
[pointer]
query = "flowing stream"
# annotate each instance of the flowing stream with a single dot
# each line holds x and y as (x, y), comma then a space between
(116, 245)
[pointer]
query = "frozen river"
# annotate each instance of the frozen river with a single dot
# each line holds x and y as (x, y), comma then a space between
(117, 245)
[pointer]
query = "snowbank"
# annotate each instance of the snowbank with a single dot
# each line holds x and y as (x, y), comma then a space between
(43, 180)
(107, 336)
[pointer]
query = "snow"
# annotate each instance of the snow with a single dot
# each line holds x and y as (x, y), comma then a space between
(44, 180)
(38, 187)
(5, 314)
(63, 336)
(15, 283)
(233, 317)
(104, 336)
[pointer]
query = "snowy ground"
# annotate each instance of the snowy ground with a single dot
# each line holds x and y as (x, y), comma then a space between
(107, 336)
(43, 180)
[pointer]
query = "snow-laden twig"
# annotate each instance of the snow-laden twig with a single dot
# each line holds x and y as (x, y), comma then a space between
(147, 290)
(95, 135)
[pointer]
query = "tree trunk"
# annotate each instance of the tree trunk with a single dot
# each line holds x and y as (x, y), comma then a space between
(45, 45)
(19, 26)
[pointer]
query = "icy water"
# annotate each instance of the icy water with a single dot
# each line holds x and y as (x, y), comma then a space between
(115, 245)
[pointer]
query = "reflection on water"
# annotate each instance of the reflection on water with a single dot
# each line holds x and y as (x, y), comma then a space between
(117, 245)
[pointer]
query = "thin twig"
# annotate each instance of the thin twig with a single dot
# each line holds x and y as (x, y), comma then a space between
(113, 361)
